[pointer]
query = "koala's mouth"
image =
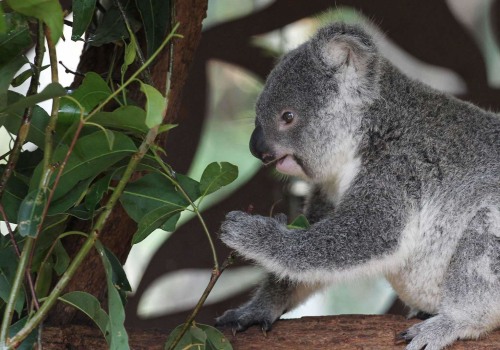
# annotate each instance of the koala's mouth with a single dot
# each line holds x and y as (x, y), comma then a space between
(289, 165)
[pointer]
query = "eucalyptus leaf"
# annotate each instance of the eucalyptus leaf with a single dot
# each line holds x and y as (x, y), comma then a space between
(83, 10)
(217, 175)
(5, 288)
(50, 91)
(119, 277)
(16, 39)
(112, 27)
(92, 91)
(14, 193)
(81, 212)
(61, 258)
(44, 279)
(30, 340)
(90, 157)
(215, 339)
(7, 72)
(300, 222)
(198, 336)
(155, 15)
(70, 199)
(25, 75)
(155, 105)
(166, 127)
(130, 118)
(188, 340)
(48, 11)
(13, 119)
(118, 338)
(97, 191)
(30, 213)
(170, 224)
(3, 24)
(149, 193)
(153, 220)
(90, 306)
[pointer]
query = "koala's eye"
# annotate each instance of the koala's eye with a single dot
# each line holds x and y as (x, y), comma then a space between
(287, 117)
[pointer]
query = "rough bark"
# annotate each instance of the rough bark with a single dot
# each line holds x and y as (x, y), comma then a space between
(118, 232)
(345, 332)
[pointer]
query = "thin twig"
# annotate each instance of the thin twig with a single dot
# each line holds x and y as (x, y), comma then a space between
(146, 75)
(11, 234)
(67, 70)
(213, 279)
(28, 113)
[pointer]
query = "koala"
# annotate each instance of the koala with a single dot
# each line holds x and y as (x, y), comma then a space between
(405, 184)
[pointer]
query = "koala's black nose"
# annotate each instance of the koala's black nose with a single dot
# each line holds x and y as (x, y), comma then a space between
(259, 147)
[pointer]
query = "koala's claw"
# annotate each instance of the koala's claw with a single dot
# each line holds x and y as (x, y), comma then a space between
(239, 321)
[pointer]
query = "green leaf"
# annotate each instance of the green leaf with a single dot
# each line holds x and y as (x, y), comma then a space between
(166, 127)
(300, 222)
(155, 105)
(215, 339)
(90, 157)
(28, 343)
(9, 70)
(155, 15)
(30, 213)
(14, 193)
(3, 24)
(16, 39)
(83, 10)
(171, 223)
(48, 11)
(81, 212)
(112, 27)
(130, 52)
(44, 279)
(89, 94)
(90, 306)
(216, 176)
(52, 90)
(97, 191)
(62, 258)
(130, 118)
(28, 73)
(153, 220)
(149, 193)
(118, 338)
(71, 198)
(190, 339)
(199, 336)
(119, 276)
(13, 119)
(6, 286)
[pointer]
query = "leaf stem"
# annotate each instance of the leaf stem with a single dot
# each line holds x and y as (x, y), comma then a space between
(213, 280)
(170, 176)
(16, 287)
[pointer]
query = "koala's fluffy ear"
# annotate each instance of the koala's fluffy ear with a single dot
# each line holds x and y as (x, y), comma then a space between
(339, 46)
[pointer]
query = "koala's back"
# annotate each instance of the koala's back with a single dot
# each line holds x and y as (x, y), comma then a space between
(453, 149)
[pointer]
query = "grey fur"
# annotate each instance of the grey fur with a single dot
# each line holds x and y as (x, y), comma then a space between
(406, 184)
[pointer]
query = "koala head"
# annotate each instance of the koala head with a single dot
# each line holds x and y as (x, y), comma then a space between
(309, 112)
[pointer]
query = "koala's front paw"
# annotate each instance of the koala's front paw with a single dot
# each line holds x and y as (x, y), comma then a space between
(243, 317)
(252, 235)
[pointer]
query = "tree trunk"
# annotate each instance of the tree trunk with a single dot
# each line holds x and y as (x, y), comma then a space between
(118, 232)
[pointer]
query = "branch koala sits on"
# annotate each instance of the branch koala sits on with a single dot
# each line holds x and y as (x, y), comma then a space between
(406, 184)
